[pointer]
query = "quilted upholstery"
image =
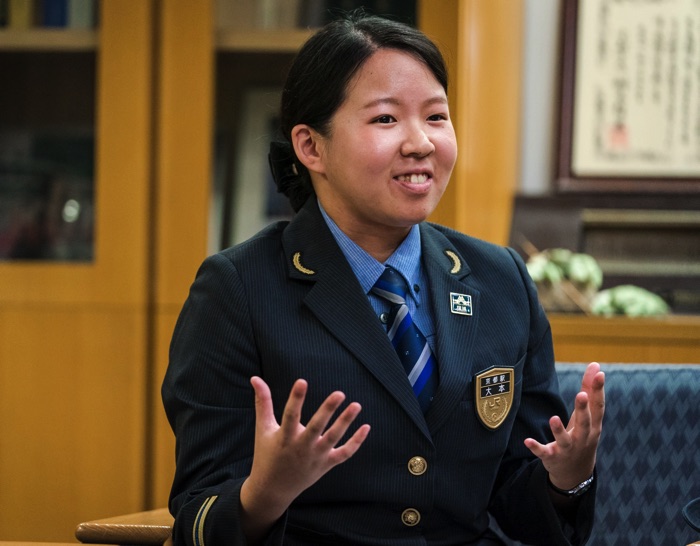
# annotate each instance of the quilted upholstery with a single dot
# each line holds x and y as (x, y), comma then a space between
(649, 454)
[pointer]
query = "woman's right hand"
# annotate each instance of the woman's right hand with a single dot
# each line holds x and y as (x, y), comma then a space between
(290, 457)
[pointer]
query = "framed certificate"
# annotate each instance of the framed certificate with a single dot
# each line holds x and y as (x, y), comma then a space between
(630, 108)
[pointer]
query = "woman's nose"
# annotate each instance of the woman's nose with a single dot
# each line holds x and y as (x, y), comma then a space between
(417, 143)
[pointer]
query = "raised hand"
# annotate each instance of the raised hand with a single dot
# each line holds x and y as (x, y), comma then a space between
(570, 458)
(289, 457)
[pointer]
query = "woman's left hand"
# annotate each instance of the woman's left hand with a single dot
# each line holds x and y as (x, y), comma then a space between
(570, 458)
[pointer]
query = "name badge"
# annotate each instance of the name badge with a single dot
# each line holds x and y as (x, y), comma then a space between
(494, 396)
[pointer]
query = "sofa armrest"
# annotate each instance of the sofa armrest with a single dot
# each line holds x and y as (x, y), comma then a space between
(153, 527)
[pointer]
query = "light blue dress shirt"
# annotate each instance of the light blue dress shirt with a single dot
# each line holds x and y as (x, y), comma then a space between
(406, 259)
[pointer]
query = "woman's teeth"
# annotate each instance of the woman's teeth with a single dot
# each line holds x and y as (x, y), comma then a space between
(413, 178)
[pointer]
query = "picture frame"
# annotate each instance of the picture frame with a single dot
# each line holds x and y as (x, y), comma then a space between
(255, 202)
(630, 97)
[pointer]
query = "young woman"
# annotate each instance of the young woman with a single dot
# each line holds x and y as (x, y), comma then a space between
(280, 331)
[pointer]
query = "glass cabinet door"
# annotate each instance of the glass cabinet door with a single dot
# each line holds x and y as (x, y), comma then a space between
(47, 118)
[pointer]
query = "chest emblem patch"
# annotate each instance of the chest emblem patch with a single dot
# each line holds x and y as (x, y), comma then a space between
(460, 304)
(494, 396)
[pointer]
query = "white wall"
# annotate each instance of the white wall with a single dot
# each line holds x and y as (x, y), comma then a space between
(540, 100)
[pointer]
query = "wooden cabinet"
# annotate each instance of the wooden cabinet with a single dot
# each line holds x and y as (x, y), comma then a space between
(74, 335)
(662, 340)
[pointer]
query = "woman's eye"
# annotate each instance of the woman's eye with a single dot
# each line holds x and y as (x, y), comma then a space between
(385, 119)
(437, 117)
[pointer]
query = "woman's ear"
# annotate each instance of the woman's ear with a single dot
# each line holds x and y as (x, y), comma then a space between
(308, 147)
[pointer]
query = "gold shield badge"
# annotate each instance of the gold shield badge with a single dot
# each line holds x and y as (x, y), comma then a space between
(494, 396)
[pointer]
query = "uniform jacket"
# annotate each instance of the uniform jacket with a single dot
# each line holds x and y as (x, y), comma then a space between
(286, 305)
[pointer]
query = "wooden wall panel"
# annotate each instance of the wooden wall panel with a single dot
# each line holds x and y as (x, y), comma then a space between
(185, 102)
(184, 144)
(482, 43)
(72, 400)
(163, 447)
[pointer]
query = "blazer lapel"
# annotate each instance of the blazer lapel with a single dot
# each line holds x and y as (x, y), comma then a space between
(337, 300)
(448, 274)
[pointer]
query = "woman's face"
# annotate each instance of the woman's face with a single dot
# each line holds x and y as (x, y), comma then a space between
(391, 147)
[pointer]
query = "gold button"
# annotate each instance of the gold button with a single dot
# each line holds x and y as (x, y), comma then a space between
(410, 517)
(417, 466)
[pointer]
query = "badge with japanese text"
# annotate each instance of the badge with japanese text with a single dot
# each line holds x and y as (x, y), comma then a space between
(494, 396)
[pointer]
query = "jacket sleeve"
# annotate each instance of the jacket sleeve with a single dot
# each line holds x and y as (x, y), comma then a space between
(521, 501)
(210, 406)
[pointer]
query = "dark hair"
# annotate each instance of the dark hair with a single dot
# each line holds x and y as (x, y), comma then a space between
(317, 82)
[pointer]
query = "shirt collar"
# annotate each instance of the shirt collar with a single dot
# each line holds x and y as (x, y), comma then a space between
(405, 259)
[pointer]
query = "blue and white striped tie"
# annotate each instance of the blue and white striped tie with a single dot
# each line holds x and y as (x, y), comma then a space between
(410, 344)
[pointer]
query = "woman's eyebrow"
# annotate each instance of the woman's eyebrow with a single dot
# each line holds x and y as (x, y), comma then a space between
(382, 100)
(438, 99)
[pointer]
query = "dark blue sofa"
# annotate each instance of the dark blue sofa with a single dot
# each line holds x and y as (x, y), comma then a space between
(649, 454)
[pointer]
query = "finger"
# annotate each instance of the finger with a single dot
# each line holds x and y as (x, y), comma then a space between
(597, 399)
(590, 386)
(349, 448)
(319, 421)
(291, 416)
(582, 424)
(593, 385)
(538, 450)
(338, 429)
(562, 437)
(588, 376)
(264, 414)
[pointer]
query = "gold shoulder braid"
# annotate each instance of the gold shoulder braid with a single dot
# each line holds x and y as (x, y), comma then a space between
(457, 263)
(296, 260)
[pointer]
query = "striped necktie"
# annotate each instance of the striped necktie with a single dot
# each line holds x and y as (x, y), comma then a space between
(410, 344)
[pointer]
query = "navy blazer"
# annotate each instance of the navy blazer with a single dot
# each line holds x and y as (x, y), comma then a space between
(286, 305)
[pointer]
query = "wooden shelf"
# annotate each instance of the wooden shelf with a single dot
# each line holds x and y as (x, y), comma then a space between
(278, 40)
(48, 40)
(668, 339)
